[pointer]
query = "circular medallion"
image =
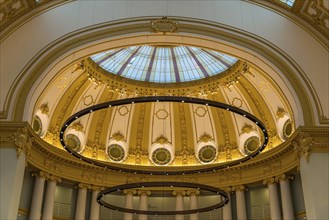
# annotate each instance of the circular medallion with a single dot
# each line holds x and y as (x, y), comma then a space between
(73, 142)
(37, 124)
(251, 144)
(207, 154)
(161, 156)
(115, 152)
(287, 129)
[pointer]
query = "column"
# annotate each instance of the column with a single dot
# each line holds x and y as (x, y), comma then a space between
(39, 185)
(314, 169)
(274, 198)
(94, 206)
(143, 194)
(48, 208)
(80, 209)
(193, 202)
(179, 203)
(129, 203)
(227, 209)
(13, 150)
(241, 202)
(287, 207)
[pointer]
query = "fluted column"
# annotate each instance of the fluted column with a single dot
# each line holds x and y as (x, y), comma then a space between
(94, 206)
(227, 209)
(39, 185)
(129, 194)
(80, 209)
(193, 202)
(48, 208)
(287, 207)
(179, 203)
(143, 194)
(241, 202)
(274, 198)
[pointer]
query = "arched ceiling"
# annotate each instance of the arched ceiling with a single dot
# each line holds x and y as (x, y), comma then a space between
(162, 134)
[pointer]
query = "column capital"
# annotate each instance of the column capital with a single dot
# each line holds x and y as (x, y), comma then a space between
(193, 192)
(229, 189)
(129, 191)
(82, 186)
(55, 179)
(23, 141)
(41, 175)
(96, 188)
(240, 188)
(269, 181)
(179, 192)
(284, 177)
(144, 192)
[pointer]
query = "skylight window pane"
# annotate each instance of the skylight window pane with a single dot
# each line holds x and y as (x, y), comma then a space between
(192, 63)
(290, 3)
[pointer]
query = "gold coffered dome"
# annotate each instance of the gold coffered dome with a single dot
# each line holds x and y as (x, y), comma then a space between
(150, 135)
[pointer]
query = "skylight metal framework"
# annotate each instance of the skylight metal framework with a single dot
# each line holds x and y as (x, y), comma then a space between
(163, 64)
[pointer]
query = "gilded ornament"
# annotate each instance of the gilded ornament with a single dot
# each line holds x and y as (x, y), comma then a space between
(44, 108)
(280, 113)
(303, 145)
(161, 140)
(247, 128)
(77, 126)
(205, 138)
(118, 136)
(164, 25)
(23, 141)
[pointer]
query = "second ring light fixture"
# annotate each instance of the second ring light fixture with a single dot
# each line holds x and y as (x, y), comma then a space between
(163, 171)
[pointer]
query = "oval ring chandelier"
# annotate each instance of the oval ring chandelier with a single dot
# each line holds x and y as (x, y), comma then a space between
(221, 194)
(163, 170)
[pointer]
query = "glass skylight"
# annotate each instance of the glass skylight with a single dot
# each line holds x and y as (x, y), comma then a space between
(163, 64)
(290, 3)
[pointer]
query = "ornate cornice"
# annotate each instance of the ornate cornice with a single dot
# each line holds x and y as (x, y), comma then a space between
(273, 163)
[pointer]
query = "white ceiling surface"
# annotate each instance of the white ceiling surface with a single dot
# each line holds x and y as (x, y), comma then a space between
(23, 44)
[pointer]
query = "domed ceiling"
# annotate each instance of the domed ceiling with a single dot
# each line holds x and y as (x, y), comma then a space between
(163, 134)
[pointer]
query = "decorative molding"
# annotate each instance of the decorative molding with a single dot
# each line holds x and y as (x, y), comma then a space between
(118, 136)
(273, 166)
(130, 191)
(247, 128)
(192, 192)
(279, 160)
(205, 138)
(82, 186)
(161, 140)
(269, 181)
(92, 176)
(179, 193)
(52, 165)
(55, 179)
(164, 25)
(283, 177)
(23, 142)
(280, 113)
(44, 108)
(240, 188)
(143, 192)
